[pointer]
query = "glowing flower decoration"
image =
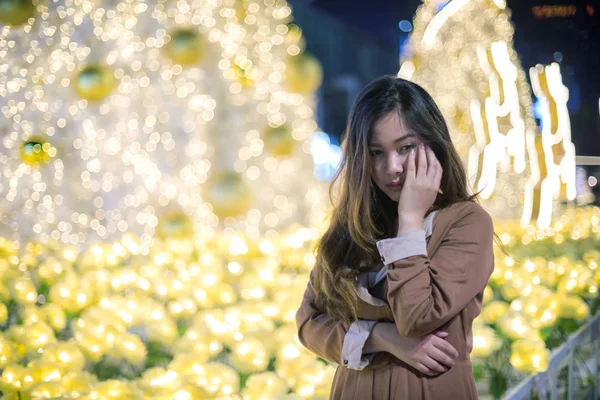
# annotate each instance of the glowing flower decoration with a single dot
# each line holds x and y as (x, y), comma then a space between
(529, 356)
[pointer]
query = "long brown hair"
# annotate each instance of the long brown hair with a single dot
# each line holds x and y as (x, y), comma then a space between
(362, 213)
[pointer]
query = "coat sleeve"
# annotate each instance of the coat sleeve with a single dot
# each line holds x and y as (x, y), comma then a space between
(334, 340)
(425, 293)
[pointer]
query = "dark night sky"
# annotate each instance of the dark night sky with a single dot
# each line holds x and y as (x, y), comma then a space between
(576, 39)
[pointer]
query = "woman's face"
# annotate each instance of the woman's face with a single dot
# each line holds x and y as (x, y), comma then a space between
(389, 146)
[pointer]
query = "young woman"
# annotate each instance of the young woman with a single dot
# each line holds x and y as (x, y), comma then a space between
(401, 270)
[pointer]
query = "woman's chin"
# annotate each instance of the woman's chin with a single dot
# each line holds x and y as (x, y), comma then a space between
(393, 195)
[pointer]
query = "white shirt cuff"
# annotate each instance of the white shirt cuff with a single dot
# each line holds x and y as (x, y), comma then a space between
(404, 246)
(354, 341)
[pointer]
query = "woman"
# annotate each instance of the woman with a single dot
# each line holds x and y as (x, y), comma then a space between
(401, 270)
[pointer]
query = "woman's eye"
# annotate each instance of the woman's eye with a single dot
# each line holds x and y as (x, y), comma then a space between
(376, 152)
(406, 148)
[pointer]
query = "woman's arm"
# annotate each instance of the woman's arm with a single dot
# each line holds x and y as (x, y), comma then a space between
(431, 355)
(425, 293)
(325, 336)
(317, 331)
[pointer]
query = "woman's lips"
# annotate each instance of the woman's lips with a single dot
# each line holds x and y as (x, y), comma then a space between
(395, 186)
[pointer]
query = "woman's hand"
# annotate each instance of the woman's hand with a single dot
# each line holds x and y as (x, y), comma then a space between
(423, 178)
(431, 355)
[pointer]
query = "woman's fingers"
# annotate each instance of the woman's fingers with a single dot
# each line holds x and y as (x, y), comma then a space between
(441, 357)
(433, 365)
(422, 162)
(446, 347)
(411, 168)
(432, 163)
(441, 334)
(435, 170)
(424, 369)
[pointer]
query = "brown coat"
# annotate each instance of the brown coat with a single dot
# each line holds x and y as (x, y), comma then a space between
(422, 294)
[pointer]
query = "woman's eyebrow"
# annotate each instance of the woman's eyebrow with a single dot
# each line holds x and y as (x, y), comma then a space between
(396, 141)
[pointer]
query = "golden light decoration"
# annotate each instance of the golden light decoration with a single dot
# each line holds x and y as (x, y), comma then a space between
(152, 296)
(219, 380)
(12, 378)
(55, 316)
(529, 356)
(39, 371)
(279, 141)
(3, 314)
(37, 151)
(16, 12)
(488, 295)
(493, 311)
(572, 307)
(32, 314)
(113, 389)
(94, 82)
(540, 311)
(485, 341)
(164, 331)
(8, 353)
(76, 383)
(47, 390)
(24, 291)
(265, 384)
(516, 326)
(186, 47)
(228, 194)
(66, 356)
(157, 381)
(304, 74)
(249, 355)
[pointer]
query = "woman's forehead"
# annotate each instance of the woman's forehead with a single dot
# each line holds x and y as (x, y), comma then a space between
(391, 128)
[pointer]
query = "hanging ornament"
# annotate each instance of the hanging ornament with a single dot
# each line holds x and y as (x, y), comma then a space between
(303, 74)
(16, 12)
(294, 34)
(175, 225)
(186, 47)
(229, 195)
(94, 83)
(37, 151)
(279, 141)
(245, 76)
(241, 9)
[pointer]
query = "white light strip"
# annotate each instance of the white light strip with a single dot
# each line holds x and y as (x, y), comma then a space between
(439, 20)
(563, 171)
(504, 142)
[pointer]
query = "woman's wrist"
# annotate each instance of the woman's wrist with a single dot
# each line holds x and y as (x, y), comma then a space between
(409, 223)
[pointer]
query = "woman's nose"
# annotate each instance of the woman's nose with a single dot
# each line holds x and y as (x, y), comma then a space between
(395, 164)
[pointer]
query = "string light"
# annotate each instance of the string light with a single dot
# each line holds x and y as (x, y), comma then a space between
(156, 79)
